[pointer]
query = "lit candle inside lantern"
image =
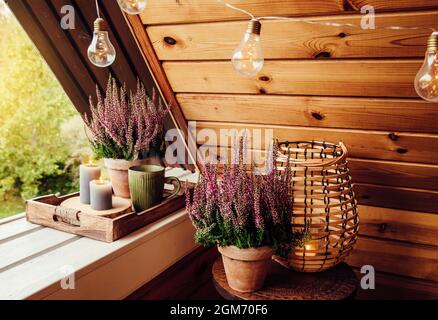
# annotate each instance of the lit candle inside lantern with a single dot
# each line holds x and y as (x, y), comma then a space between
(101, 194)
(310, 247)
(87, 173)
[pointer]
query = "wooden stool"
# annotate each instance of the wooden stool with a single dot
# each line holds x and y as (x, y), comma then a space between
(281, 283)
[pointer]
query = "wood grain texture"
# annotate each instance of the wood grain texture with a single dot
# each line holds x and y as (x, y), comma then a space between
(48, 211)
(401, 225)
(330, 112)
(368, 78)
(181, 280)
(417, 261)
(163, 85)
(392, 287)
(393, 4)
(298, 40)
(184, 11)
(391, 173)
(396, 197)
(389, 287)
(338, 283)
(369, 144)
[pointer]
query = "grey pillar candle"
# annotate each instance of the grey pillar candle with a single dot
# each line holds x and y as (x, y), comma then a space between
(101, 195)
(87, 173)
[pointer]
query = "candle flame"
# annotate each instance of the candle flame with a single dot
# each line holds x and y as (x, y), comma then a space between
(100, 179)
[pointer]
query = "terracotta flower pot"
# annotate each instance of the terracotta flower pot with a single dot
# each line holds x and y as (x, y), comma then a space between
(246, 269)
(118, 173)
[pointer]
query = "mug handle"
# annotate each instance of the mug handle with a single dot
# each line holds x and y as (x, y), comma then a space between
(177, 187)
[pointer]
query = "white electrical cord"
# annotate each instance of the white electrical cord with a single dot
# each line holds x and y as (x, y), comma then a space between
(330, 24)
(237, 9)
(97, 9)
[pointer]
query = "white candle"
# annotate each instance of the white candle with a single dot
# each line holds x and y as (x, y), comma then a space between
(87, 173)
(101, 194)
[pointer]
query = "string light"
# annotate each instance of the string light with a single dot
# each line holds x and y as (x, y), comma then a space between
(248, 60)
(101, 51)
(426, 81)
(132, 6)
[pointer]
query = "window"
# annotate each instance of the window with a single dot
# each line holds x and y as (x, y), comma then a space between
(42, 139)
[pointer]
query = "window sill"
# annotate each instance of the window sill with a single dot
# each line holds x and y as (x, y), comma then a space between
(35, 259)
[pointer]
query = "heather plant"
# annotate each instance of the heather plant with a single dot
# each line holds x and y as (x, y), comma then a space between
(123, 127)
(242, 208)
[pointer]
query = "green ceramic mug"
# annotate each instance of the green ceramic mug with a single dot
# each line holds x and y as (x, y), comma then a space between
(146, 185)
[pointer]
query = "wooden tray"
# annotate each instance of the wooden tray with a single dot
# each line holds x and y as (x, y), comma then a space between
(49, 212)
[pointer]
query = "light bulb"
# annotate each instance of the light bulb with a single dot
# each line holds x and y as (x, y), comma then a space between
(248, 56)
(426, 81)
(132, 6)
(101, 52)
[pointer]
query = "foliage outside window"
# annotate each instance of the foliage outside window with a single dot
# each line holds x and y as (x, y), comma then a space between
(41, 134)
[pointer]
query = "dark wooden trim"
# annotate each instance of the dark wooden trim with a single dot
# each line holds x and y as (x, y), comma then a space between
(48, 50)
(66, 50)
(183, 280)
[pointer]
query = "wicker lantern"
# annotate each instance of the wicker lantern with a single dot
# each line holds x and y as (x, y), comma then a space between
(323, 201)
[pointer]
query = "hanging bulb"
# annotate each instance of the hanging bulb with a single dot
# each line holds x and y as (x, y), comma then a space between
(426, 81)
(132, 6)
(248, 56)
(101, 52)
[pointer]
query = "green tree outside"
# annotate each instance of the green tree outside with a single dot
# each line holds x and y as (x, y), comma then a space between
(41, 134)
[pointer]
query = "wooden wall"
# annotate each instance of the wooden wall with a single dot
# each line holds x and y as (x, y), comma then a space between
(324, 83)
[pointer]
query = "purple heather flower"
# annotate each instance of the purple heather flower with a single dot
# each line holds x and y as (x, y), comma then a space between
(245, 201)
(131, 123)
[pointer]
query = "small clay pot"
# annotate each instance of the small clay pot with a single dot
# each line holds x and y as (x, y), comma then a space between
(246, 269)
(118, 173)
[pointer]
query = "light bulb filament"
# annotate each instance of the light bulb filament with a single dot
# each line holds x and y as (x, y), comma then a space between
(248, 58)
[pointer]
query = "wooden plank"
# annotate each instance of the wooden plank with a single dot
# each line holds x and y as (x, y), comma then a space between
(298, 40)
(331, 112)
(417, 261)
(182, 279)
(171, 11)
(369, 78)
(121, 68)
(386, 173)
(360, 143)
(80, 37)
(49, 20)
(95, 262)
(388, 287)
(393, 4)
(399, 198)
(22, 249)
(121, 31)
(12, 218)
(390, 173)
(164, 87)
(16, 228)
(391, 287)
(395, 224)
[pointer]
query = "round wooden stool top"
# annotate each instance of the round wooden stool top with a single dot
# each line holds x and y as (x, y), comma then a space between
(281, 283)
